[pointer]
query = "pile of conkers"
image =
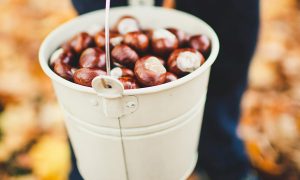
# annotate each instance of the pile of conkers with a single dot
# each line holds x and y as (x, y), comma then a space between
(140, 57)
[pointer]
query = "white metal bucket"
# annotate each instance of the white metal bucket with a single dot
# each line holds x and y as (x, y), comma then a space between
(160, 125)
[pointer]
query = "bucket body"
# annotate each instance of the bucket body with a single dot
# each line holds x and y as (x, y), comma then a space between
(160, 135)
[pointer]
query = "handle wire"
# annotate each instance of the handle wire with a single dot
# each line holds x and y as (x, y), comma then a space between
(107, 55)
(107, 37)
(123, 150)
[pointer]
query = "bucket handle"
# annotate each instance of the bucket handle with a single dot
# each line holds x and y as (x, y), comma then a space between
(111, 90)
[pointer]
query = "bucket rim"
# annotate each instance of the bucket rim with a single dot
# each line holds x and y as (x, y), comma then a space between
(147, 90)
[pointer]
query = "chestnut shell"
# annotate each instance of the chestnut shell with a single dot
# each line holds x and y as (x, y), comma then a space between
(85, 51)
(66, 57)
(129, 83)
(172, 61)
(121, 72)
(99, 38)
(124, 55)
(183, 38)
(63, 70)
(93, 58)
(170, 77)
(137, 40)
(79, 43)
(145, 76)
(162, 47)
(200, 43)
(116, 26)
(85, 76)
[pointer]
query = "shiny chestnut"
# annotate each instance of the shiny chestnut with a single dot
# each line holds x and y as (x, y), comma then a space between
(149, 71)
(63, 70)
(124, 55)
(118, 72)
(85, 76)
(82, 58)
(66, 57)
(129, 83)
(93, 58)
(184, 61)
(170, 77)
(99, 39)
(127, 24)
(200, 43)
(79, 43)
(181, 36)
(55, 55)
(137, 40)
(163, 42)
(114, 39)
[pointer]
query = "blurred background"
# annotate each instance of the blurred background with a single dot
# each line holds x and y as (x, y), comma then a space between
(270, 120)
(33, 141)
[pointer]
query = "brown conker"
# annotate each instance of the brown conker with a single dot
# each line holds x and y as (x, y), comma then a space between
(127, 24)
(118, 72)
(163, 42)
(79, 43)
(170, 77)
(184, 61)
(93, 58)
(137, 40)
(200, 43)
(129, 83)
(182, 37)
(66, 57)
(85, 76)
(124, 55)
(63, 69)
(149, 71)
(114, 39)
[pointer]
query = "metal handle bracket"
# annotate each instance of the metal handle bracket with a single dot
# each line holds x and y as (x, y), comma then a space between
(110, 90)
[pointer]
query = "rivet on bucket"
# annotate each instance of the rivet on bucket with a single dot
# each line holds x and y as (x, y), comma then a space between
(115, 105)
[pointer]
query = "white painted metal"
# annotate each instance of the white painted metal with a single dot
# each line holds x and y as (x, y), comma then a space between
(141, 2)
(161, 133)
